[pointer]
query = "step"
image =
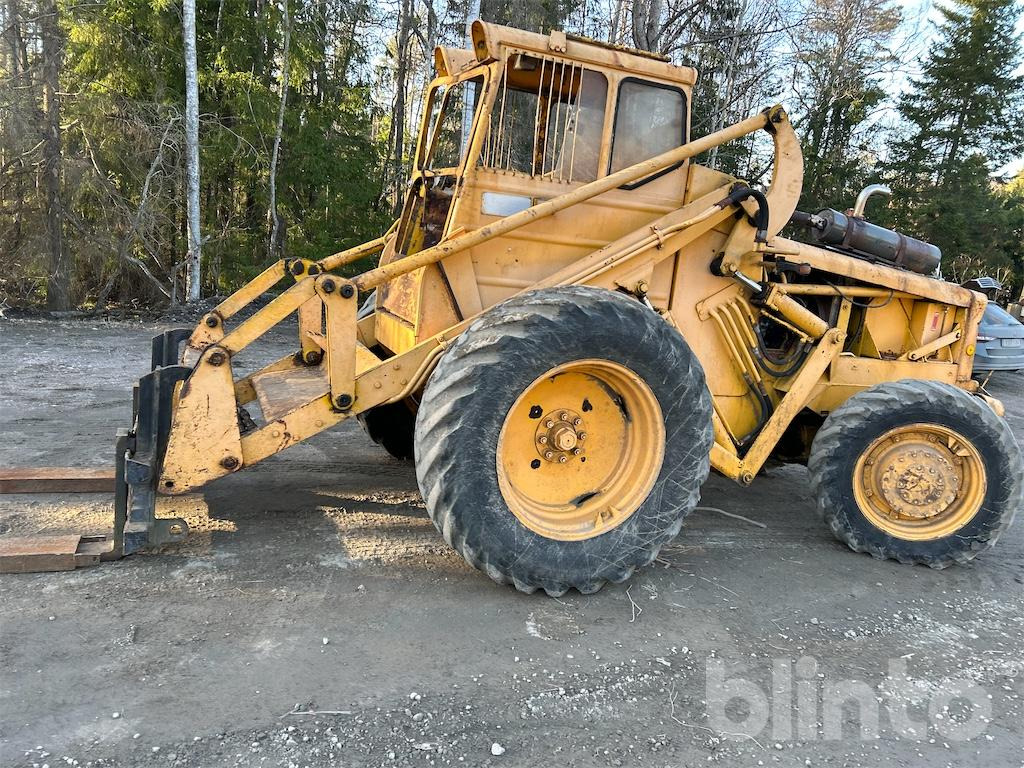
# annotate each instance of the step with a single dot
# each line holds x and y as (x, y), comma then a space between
(281, 392)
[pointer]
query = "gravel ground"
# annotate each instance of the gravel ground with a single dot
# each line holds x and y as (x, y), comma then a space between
(316, 618)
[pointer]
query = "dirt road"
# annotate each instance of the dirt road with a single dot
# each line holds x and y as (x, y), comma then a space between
(318, 619)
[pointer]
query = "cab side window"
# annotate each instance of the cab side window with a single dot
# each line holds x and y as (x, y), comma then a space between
(547, 120)
(649, 119)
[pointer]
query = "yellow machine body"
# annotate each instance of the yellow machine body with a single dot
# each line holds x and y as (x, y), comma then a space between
(546, 160)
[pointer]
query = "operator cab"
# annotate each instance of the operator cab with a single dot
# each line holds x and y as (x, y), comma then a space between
(521, 119)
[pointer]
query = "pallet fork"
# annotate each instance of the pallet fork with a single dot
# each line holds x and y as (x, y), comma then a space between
(133, 479)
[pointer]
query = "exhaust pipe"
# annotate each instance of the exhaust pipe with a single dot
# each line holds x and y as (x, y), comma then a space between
(865, 195)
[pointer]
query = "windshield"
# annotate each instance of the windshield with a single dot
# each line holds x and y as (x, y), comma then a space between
(451, 108)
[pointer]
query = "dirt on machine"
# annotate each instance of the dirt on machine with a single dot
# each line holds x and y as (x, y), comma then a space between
(573, 321)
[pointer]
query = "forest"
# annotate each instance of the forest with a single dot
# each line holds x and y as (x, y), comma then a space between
(308, 109)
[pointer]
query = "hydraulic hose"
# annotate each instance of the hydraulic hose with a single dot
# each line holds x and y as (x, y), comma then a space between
(740, 194)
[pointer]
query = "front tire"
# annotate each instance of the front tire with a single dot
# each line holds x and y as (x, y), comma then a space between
(916, 471)
(563, 438)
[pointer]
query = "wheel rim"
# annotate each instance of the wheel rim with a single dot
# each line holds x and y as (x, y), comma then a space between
(920, 482)
(580, 450)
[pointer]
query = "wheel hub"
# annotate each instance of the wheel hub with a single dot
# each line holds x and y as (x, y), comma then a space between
(560, 436)
(566, 484)
(920, 482)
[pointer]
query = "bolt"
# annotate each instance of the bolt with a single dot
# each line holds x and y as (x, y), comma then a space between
(347, 291)
(313, 357)
(563, 416)
(229, 462)
(576, 451)
(217, 358)
(746, 478)
(211, 321)
(548, 454)
(542, 439)
(577, 422)
(297, 267)
(343, 402)
(549, 423)
(562, 459)
(328, 286)
(581, 435)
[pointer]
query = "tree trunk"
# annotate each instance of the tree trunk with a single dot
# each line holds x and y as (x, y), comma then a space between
(58, 292)
(188, 28)
(405, 22)
(274, 247)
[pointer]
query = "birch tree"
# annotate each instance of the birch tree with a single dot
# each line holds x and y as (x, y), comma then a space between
(58, 293)
(194, 261)
(276, 244)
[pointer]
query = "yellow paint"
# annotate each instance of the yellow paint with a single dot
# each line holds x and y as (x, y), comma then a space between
(920, 482)
(863, 323)
(572, 462)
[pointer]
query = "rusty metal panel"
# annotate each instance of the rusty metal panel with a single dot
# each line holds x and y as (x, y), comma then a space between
(56, 480)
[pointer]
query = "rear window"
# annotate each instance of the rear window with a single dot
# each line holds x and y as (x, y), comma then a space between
(649, 119)
(996, 315)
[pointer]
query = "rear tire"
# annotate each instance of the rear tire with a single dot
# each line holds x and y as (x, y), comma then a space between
(598, 376)
(917, 471)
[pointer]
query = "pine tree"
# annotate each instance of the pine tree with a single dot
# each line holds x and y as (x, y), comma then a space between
(841, 54)
(962, 118)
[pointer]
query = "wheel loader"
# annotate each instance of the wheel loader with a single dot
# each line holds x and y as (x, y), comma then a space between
(573, 321)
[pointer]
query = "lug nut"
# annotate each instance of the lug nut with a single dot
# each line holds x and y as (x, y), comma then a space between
(563, 416)
(576, 451)
(542, 439)
(577, 422)
(549, 423)
(562, 459)
(581, 435)
(548, 454)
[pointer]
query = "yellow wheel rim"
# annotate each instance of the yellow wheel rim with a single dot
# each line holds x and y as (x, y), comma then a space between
(580, 450)
(920, 482)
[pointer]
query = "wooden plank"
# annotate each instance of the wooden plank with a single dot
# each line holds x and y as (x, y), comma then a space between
(56, 480)
(36, 554)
